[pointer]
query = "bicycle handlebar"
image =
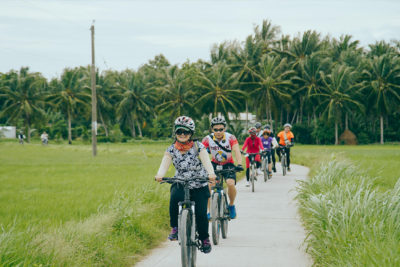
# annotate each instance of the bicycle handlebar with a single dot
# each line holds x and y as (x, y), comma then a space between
(225, 171)
(172, 180)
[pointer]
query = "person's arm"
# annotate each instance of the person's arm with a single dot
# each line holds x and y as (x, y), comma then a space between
(274, 143)
(165, 163)
(238, 155)
(205, 160)
(261, 146)
(245, 144)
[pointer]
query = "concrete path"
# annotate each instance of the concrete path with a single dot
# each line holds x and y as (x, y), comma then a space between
(267, 231)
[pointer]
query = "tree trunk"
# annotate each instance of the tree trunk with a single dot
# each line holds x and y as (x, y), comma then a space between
(294, 117)
(132, 127)
(381, 119)
(336, 133)
(347, 121)
(104, 125)
(69, 128)
(139, 128)
(281, 115)
(301, 111)
(28, 133)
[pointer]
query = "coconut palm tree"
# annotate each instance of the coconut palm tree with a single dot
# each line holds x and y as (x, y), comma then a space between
(177, 97)
(23, 95)
(218, 90)
(133, 99)
(272, 82)
(382, 85)
(337, 95)
(70, 95)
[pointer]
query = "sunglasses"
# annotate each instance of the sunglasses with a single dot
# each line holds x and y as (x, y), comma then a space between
(180, 132)
(218, 129)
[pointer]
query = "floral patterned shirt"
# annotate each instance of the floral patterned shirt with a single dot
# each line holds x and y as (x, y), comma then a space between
(188, 165)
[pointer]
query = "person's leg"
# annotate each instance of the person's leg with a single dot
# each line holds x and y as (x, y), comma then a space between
(273, 159)
(200, 196)
(177, 194)
(288, 156)
(247, 174)
(269, 162)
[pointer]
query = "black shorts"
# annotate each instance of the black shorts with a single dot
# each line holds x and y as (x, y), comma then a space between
(268, 155)
(231, 175)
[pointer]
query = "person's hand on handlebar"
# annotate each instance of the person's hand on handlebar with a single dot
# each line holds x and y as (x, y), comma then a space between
(239, 168)
(158, 179)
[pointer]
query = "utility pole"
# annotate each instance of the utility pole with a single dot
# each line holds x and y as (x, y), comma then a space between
(94, 98)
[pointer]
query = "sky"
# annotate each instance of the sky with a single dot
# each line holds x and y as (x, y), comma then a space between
(50, 35)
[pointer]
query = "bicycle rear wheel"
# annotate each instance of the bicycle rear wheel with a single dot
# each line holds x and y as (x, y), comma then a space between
(215, 222)
(252, 177)
(224, 216)
(185, 232)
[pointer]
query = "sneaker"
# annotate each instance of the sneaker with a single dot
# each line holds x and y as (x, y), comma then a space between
(259, 172)
(208, 216)
(232, 211)
(206, 246)
(174, 234)
(247, 183)
(288, 168)
(270, 175)
(273, 168)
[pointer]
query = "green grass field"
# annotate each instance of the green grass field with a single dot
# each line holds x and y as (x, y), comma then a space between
(59, 206)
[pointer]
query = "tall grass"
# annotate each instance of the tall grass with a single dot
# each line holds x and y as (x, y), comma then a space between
(349, 222)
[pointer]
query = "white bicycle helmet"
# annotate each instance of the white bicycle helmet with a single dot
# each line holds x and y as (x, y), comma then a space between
(218, 120)
(184, 122)
(287, 125)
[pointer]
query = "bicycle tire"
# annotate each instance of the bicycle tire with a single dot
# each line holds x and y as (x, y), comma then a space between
(252, 178)
(224, 217)
(265, 170)
(215, 220)
(283, 163)
(184, 233)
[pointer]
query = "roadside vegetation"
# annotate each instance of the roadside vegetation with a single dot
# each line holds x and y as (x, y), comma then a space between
(350, 206)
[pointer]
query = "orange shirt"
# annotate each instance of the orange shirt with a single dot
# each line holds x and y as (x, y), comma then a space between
(281, 135)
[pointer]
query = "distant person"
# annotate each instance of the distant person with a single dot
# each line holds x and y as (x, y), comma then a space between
(285, 140)
(21, 137)
(258, 128)
(269, 143)
(271, 134)
(252, 144)
(45, 138)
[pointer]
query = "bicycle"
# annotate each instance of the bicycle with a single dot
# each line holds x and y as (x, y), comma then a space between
(252, 171)
(220, 214)
(282, 152)
(264, 166)
(187, 236)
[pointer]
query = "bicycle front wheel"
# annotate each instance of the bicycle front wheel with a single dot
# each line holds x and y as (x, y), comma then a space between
(265, 170)
(215, 222)
(185, 232)
(283, 163)
(224, 216)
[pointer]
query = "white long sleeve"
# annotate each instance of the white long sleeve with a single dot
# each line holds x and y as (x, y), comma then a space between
(274, 143)
(205, 160)
(165, 163)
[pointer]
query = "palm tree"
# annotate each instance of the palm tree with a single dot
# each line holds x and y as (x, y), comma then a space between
(272, 82)
(70, 95)
(177, 97)
(382, 82)
(217, 88)
(23, 95)
(134, 98)
(337, 94)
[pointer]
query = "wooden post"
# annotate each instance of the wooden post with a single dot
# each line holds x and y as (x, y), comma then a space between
(94, 98)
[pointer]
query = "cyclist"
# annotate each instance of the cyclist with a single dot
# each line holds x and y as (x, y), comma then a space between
(271, 134)
(190, 159)
(44, 137)
(285, 140)
(254, 145)
(258, 127)
(268, 143)
(221, 144)
(21, 137)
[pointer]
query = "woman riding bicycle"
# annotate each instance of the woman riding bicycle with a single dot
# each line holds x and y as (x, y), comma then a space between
(285, 140)
(190, 159)
(254, 145)
(269, 143)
